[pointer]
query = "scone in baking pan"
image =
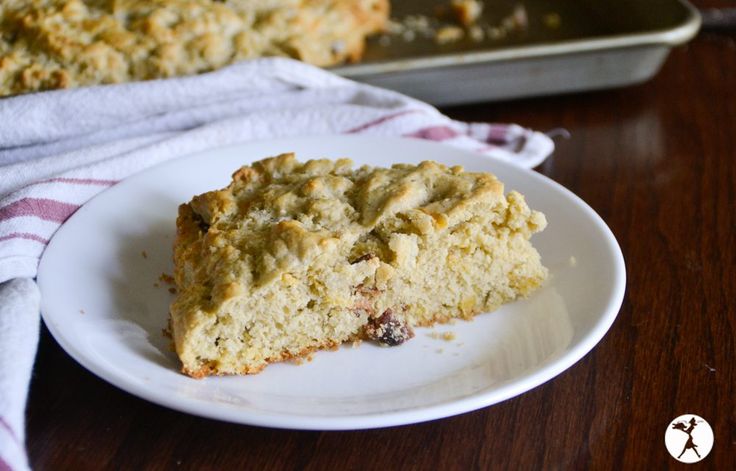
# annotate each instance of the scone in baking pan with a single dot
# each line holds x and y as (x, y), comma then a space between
(566, 46)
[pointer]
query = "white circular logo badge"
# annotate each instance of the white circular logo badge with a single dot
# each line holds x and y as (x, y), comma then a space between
(689, 438)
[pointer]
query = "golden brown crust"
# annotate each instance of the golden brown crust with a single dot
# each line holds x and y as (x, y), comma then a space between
(294, 257)
(50, 44)
(350, 204)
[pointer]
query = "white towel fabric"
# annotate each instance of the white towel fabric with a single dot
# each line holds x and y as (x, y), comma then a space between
(58, 149)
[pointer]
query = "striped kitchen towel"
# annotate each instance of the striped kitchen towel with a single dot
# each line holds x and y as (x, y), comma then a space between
(59, 149)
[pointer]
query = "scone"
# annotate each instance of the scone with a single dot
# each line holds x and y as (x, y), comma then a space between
(47, 44)
(293, 257)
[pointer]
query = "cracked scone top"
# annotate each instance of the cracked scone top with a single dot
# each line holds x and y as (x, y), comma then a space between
(49, 44)
(293, 257)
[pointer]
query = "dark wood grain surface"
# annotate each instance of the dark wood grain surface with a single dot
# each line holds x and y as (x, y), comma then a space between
(658, 163)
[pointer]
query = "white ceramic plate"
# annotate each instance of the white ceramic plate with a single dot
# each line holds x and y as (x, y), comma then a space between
(101, 305)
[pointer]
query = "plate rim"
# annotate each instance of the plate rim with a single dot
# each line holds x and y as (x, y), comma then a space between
(527, 381)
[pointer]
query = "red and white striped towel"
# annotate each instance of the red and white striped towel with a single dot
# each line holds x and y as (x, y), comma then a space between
(59, 149)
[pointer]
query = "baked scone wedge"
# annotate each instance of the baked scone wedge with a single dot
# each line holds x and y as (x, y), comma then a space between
(49, 44)
(293, 257)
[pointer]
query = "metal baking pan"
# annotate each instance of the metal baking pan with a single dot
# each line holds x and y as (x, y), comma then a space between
(566, 46)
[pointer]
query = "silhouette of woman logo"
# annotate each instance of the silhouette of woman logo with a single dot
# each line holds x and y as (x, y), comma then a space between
(689, 438)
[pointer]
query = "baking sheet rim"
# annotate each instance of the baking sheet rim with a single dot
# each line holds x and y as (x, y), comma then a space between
(670, 37)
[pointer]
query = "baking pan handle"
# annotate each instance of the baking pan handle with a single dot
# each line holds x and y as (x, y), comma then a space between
(718, 19)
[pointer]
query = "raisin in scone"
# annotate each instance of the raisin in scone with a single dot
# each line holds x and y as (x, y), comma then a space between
(293, 257)
(48, 44)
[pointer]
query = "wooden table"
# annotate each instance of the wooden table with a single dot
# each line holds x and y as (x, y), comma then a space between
(658, 163)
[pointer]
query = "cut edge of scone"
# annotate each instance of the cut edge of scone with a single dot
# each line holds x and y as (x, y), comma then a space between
(295, 257)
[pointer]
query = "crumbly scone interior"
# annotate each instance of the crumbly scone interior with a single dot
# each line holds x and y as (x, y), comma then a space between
(293, 257)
